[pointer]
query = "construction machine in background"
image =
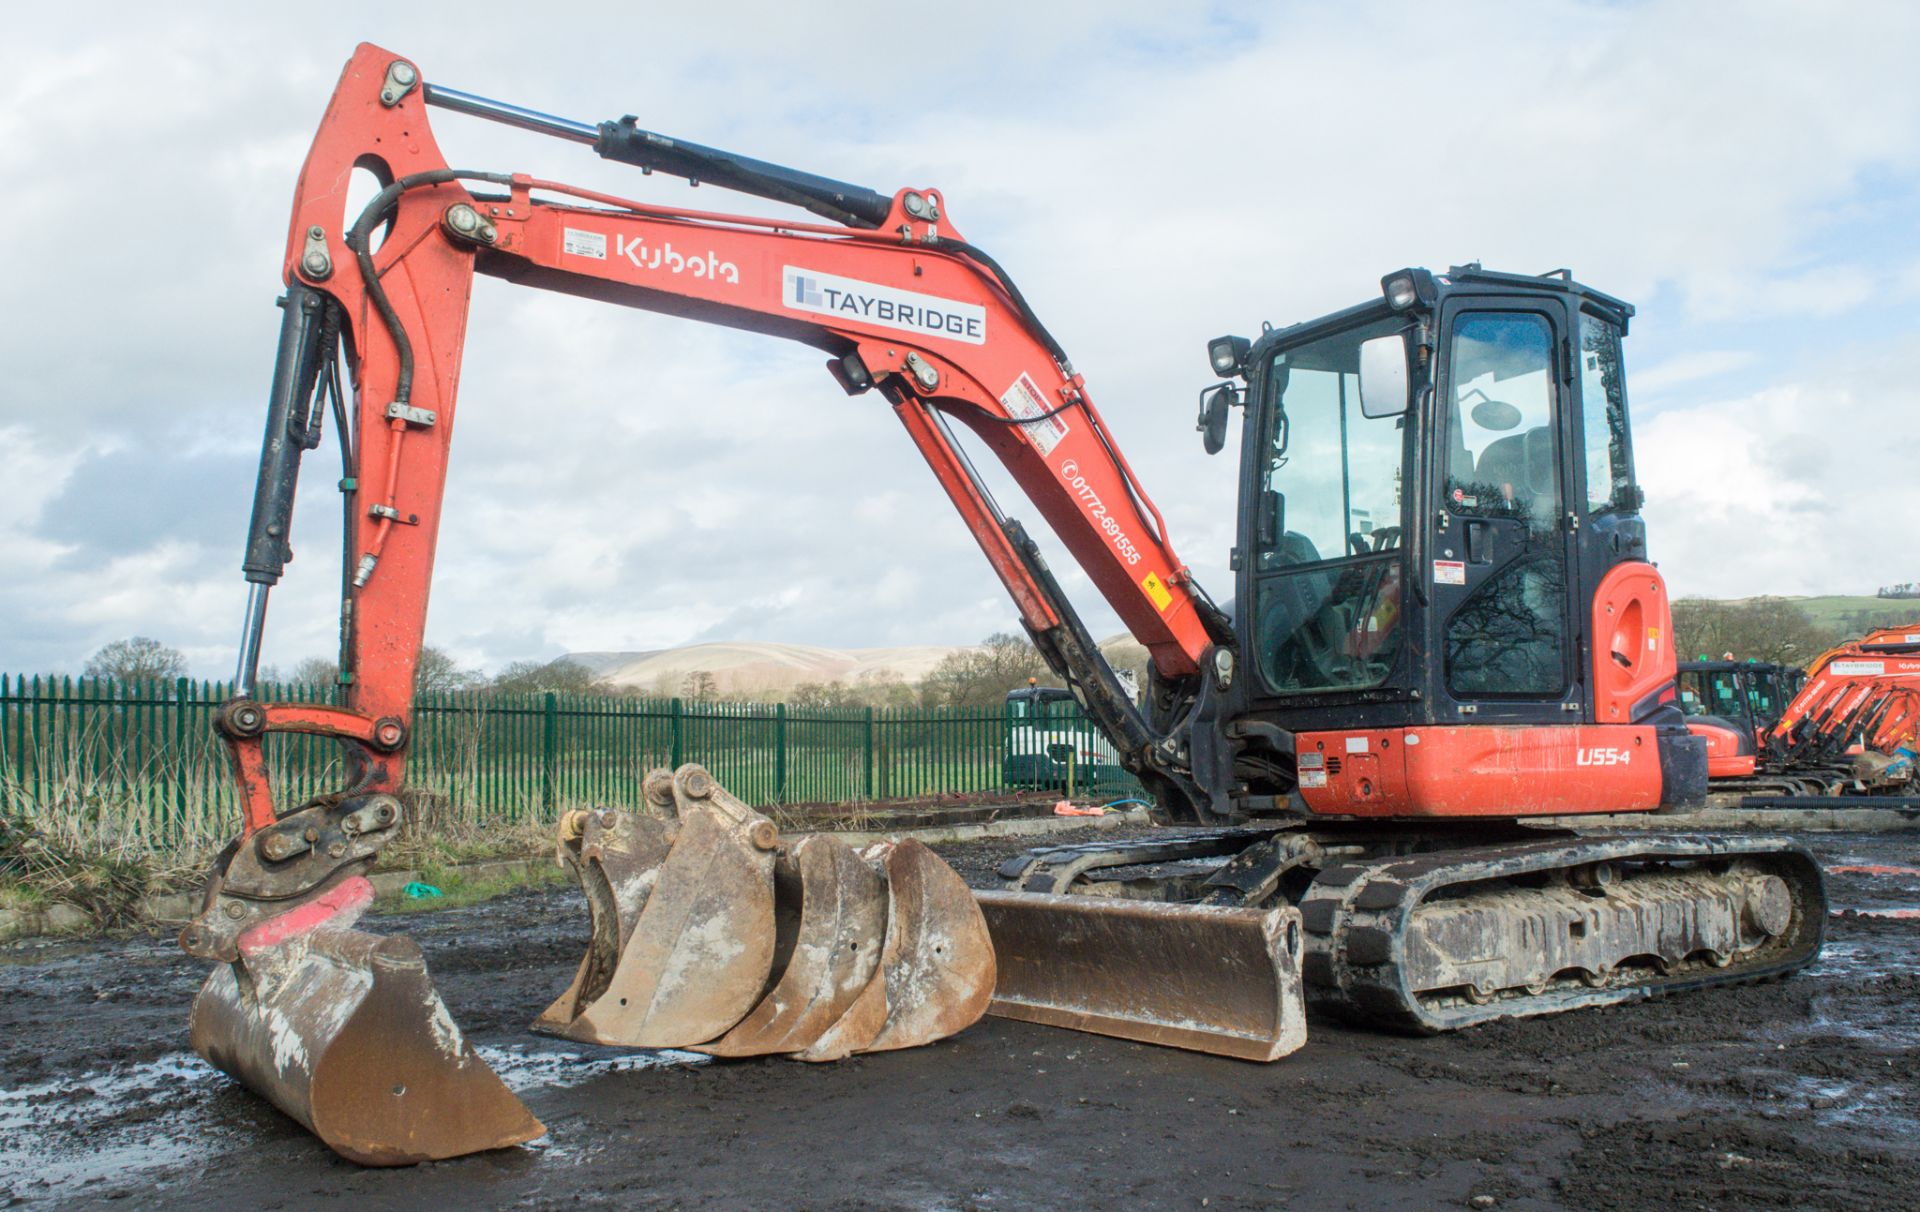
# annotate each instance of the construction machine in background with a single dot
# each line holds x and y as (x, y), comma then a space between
(1730, 705)
(1854, 725)
(1446, 623)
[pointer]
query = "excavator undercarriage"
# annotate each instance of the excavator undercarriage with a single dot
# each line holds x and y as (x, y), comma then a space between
(1427, 931)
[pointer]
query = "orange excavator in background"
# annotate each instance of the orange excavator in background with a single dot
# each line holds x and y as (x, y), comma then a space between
(1855, 723)
(1445, 623)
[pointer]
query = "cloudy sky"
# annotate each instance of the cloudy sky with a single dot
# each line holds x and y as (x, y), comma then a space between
(1153, 174)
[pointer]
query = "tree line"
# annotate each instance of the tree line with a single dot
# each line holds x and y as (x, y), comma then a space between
(969, 677)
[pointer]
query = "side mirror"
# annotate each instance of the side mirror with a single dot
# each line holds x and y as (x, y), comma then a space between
(1212, 424)
(1384, 380)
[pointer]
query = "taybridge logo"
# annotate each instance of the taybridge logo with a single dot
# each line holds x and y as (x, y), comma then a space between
(1603, 757)
(851, 299)
(664, 257)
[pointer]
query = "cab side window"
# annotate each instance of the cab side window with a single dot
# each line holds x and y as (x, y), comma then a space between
(1603, 410)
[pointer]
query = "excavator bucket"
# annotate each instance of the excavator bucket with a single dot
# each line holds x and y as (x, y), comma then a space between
(696, 947)
(1208, 979)
(936, 967)
(617, 857)
(343, 1031)
(825, 959)
(707, 933)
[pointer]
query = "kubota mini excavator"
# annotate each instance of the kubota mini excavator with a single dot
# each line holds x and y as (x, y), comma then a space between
(1446, 622)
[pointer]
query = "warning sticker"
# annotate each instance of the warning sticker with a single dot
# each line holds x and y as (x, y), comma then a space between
(1157, 591)
(1859, 669)
(1023, 399)
(1313, 778)
(584, 243)
(1356, 744)
(1449, 572)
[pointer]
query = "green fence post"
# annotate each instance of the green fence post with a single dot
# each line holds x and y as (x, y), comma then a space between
(673, 716)
(181, 689)
(780, 753)
(549, 751)
(867, 783)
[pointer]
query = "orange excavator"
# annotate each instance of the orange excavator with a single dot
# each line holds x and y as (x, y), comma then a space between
(1855, 723)
(1445, 623)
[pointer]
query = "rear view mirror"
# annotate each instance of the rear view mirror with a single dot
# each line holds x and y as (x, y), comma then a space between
(1383, 377)
(1212, 424)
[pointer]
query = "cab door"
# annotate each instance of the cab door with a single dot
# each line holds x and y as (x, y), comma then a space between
(1502, 574)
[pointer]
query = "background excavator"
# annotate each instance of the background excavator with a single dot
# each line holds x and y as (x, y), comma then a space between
(1849, 724)
(1445, 622)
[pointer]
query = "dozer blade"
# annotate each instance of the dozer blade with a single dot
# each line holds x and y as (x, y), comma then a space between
(701, 947)
(829, 956)
(1225, 981)
(343, 1031)
(936, 967)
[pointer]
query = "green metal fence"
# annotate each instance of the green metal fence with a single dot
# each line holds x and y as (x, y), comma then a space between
(140, 758)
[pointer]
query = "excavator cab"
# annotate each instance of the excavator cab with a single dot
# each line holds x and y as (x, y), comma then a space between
(1719, 700)
(1441, 531)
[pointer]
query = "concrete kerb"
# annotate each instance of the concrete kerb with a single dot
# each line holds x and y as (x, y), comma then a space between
(175, 908)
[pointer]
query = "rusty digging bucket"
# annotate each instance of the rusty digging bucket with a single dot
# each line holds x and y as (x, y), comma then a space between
(343, 1031)
(1225, 981)
(708, 933)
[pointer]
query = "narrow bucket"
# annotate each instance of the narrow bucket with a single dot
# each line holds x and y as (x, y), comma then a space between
(1224, 981)
(936, 970)
(695, 928)
(838, 906)
(343, 1031)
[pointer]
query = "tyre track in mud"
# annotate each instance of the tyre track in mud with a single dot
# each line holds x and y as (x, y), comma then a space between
(1799, 1093)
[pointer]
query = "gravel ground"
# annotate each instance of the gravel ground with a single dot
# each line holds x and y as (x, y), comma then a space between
(1795, 1094)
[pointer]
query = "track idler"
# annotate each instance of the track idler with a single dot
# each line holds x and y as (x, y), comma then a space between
(343, 1031)
(709, 933)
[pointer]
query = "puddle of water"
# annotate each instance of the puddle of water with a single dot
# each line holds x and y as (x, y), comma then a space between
(41, 1124)
(525, 1069)
(1853, 1104)
(123, 1124)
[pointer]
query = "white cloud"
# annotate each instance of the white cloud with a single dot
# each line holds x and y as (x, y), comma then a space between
(1689, 368)
(1153, 174)
(1797, 489)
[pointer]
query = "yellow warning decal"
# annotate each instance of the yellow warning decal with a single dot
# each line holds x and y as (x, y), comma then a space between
(1653, 639)
(1157, 591)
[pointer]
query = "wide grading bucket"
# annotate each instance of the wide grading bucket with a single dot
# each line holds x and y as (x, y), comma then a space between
(1225, 981)
(343, 1031)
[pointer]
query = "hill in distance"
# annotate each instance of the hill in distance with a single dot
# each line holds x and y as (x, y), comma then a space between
(746, 667)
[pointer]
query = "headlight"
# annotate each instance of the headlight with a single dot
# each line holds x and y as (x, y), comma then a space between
(1406, 287)
(1228, 355)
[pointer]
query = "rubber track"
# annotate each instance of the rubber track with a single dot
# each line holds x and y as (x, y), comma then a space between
(1356, 917)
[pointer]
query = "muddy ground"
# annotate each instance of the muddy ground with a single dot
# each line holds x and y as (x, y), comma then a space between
(1801, 1094)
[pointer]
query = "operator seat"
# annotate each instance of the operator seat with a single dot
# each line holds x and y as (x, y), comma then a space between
(1521, 466)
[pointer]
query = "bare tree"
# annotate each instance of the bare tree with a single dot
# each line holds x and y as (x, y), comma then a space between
(1758, 629)
(136, 658)
(699, 684)
(437, 672)
(317, 671)
(563, 676)
(981, 676)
